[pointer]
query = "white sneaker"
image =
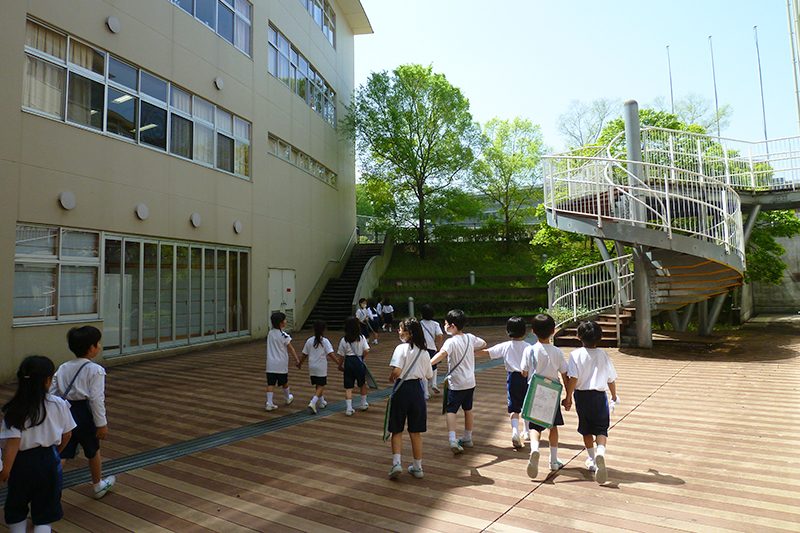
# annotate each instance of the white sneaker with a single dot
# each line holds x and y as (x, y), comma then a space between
(455, 447)
(590, 465)
(106, 484)
(416, 472)
(312, 407)
(601, 474)
(363, 406)
(533, 464)
(515, 441)
(271, 407)
(555, 467)
(525, 436)
(427, 397)
(466, 443)
(290, 399)
(375, 341)
(396, 470)
(435, 388)
(322, 404)
(349, 412)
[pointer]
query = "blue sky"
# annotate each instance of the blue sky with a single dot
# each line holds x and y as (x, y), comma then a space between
(531, 58)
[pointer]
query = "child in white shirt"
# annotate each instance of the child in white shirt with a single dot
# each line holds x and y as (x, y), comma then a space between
(279, 346)
(353, 349)
(591, 372)
(460, 353)
(516, 386)
(545, 360)
(317, 349)
(433, 342)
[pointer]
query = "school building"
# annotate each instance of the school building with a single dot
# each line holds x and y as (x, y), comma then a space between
(172, 171)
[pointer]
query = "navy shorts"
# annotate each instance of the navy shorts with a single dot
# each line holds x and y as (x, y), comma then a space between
(559, 421)
(432, 353)
(408, 403)
(319, 381)
(592, 409)
(365, 331)
(460, 398)
(354, 372)
(85, 433)
(35, 480)
(277, 379)
(517, 387)
(387, 319)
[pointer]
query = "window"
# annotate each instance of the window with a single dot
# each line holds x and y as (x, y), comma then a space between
(300, 159)
(55, 274)
(322, 13)
(129, 102)
(288, 65)
(230, 19)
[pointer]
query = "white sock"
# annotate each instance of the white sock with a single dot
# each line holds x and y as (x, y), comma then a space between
(314, 400)
(534, 444)
(451, 435)
(553, 454)
(363, 399)
(467, 435)
(269, 398)
(515, 426)
(418, 464)
(601, 450)
(396, 458)
(349, 404)
(42, 528)
(427, 392)
(19, 527)
(591, 452)
(286, 393)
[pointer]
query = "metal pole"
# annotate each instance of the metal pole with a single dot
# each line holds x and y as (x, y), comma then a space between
(633, 146)
(760, 83)
(794, 59)
(669, 69)
(410, 306)
(714, 78)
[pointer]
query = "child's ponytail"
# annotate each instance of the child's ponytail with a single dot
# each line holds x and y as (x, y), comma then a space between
(27, 404)
(319, 330)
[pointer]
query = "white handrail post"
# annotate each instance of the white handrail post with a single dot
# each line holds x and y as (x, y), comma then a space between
(574, 299)
(597, 181)
(619, 333)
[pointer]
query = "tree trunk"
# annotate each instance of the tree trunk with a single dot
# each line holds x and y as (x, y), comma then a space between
(421, 226)
(507, 236)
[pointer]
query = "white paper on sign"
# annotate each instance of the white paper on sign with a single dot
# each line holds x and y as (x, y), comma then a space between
(544, 404)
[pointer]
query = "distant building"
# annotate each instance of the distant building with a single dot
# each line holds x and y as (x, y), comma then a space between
(171, 170)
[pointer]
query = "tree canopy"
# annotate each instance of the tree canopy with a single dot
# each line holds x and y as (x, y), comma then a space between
(414, 134)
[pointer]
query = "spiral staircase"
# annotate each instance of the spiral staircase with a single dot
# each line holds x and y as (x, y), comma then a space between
(678, 205)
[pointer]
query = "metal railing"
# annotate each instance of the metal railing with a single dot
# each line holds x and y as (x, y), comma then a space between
(760, 166)
(666, 198)
(589, 290)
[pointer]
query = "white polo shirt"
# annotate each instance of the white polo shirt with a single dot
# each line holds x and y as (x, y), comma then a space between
(277, 353)
(318, 356)
(511, 352)
(57, 422)
(89, 385)
(463, 377)
(592, 367)
(544, 360)
(404, 355)
(432, 330)
(353, 348)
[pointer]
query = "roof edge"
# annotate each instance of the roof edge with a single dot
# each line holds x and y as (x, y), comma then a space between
(356, 16)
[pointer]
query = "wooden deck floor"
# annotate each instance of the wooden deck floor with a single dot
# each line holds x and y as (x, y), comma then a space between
(705, 440)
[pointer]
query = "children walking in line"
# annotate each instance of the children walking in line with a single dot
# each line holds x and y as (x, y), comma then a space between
(591, 372)
(460, 353)
(279, 346)
(545, 360)
(516, 386)
(353, 349)
(411, 365)
(433, 342)
(364, 317)
(82, 382)
(317, 350)
(36, 427)
(387, 313)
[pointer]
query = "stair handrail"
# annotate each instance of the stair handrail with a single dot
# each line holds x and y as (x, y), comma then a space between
(604, 188)
(586, 291)
(329, 263)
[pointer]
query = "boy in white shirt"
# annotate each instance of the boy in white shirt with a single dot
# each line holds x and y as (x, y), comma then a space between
(516, 386)
(590, 373)
(460, 353)
(433, 341)
(545, 360)
(279, 346)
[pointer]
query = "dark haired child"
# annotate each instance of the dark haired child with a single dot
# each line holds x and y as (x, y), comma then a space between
(545, 360)
(353, 348)
(374, 319)
(36, 427)
(433, 342)
(82, 382)
(379, 312)
(590, 373)
(412, 365)
(459, 350)
(364, 316)
(387, 313)
(516, 386)
(279, 346)
(317, 349)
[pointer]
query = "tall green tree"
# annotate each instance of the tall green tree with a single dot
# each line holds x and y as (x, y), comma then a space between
(414, 132)
(582, 123)
(507, 171)
(764, 263)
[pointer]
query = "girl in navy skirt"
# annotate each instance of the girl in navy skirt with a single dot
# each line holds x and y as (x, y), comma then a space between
(353, 349)
(410, 363)
(35, 428)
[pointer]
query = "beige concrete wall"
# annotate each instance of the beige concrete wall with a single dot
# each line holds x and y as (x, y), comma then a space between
(783, 298)
(291, 219)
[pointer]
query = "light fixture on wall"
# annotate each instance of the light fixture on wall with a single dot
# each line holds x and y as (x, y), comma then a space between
(195, 220)
(237, 226)
(142, 212)
(67, 200)
(113, 24)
